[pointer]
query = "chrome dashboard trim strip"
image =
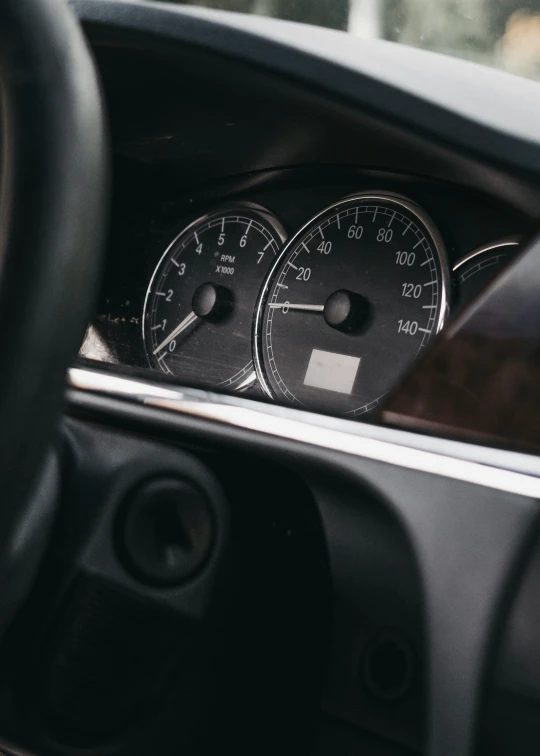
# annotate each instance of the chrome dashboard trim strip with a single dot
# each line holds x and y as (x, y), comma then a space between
(126, 388)
(308, 428)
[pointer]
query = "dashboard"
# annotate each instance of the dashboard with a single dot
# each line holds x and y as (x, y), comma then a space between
(301, 221)
(319, 289)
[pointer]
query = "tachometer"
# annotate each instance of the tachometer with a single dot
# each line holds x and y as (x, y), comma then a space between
(353, 298)
(198, 312)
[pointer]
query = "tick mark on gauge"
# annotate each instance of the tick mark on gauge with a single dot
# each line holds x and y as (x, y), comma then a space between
(375, 213)
(269, 243)
(175, 263)
(418, 243)
(160, 294)
(196, 238)
(424, 330)
(391, 219)
(407, 228)
(247, 229)
(282, 286)
(429, 307)
(430, 283)
(321, 232)
(425, 261)
(293, 266)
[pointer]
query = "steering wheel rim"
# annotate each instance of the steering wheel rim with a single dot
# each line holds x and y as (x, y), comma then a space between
(52, 206)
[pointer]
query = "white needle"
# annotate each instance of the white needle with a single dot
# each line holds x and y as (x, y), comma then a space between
(307, 307)
(187, 321)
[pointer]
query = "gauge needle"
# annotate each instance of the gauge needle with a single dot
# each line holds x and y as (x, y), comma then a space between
(306, 307)
(187, 321)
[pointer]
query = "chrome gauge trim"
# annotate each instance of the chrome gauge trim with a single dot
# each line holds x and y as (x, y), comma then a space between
(383, 196)
(512, 241)
(226, 208)
(319, 431)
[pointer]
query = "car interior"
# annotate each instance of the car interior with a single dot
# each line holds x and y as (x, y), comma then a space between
(270, 337)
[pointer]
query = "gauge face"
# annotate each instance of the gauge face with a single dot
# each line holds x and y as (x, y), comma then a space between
(477, 270)
(353, 298)
(198, 311)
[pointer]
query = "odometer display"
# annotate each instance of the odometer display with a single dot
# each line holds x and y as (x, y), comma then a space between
(352, 300)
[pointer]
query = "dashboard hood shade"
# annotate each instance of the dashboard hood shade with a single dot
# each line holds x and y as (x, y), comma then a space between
(392, 80)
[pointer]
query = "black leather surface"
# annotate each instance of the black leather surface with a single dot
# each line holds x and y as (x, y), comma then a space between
(52, 200)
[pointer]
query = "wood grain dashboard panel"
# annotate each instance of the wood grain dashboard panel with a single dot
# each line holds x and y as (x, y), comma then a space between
(481, 379)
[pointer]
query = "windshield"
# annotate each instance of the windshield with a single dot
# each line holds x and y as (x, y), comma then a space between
(501, 33)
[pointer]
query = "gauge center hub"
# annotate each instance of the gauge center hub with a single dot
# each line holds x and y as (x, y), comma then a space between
(347, 312)
(212, 302)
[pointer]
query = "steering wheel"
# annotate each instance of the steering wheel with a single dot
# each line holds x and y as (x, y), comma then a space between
(52, 208)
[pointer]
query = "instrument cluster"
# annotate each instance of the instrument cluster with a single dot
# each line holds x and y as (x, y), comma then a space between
(328, 316)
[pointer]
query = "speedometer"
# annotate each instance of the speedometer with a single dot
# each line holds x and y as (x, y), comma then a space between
(354, 297)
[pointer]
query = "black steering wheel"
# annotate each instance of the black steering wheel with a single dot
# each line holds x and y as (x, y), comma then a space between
(52, 201)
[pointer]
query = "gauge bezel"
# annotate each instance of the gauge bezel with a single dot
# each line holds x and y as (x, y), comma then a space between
(511, 241)
(377, 195)
(225, 209)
